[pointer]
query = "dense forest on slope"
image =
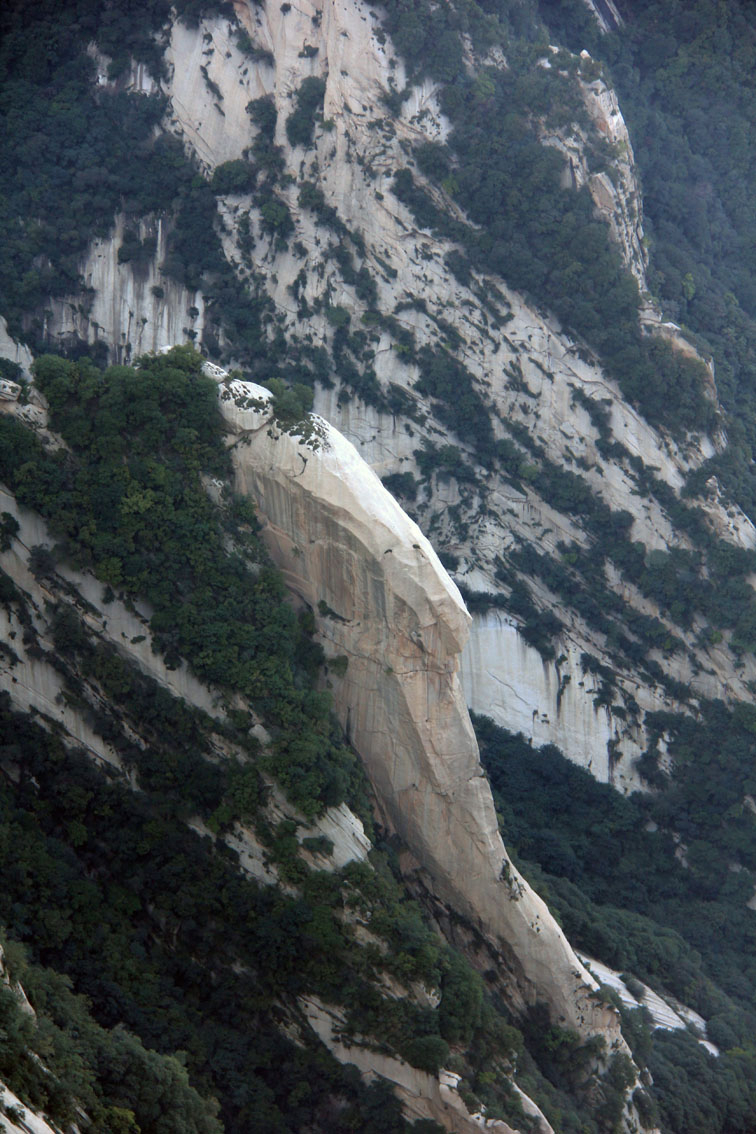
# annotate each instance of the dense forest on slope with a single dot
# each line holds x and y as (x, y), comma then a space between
(623, 896)
(139, 441)
(153, 922)
(151, 925)
(130, 504)
(685, 76)
(61, 1060)
(542, 239)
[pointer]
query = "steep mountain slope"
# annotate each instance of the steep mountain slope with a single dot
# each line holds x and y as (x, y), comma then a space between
(85, 663)
(432, 218)
(525, 368)
(387, 606)
(529, 368)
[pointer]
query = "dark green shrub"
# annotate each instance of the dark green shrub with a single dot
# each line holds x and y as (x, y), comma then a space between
(236, 176)
(300, 125)
(429, 1053)
(401, 484)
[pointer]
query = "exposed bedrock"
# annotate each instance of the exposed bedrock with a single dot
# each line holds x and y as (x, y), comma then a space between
(385, 602)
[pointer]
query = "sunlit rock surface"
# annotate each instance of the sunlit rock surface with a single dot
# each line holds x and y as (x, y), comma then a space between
(525, 368)
(386, 604)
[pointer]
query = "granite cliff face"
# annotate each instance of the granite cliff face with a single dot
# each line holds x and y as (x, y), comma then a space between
(129, 312)
(526, 370)
(387, 605)
(388, 611)
(415, 658)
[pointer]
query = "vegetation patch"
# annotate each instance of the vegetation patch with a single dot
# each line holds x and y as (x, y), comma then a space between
(128, 501)
(308, 110)
(624, 896)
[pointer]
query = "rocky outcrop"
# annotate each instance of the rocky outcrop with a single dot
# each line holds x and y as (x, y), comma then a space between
(129, 310)
(423, 1096)
(524, 367)
(13, 350)
(664, 1013)
(18, 1118)
(386, 604)
(614, 188)
(616, 192)
(29, 673)
(550, 702)
(30, 678)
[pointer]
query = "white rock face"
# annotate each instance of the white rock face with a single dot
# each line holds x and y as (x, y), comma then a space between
(666, 1014)
(621, 204)
(210, 83)
(533, 1111)
(556, 702)
(28, 1122)
(35, 685)
(132, 311)
(127, 629)
(506, 679)
(617, 198)
(32, 682)
(342, 827)
(348, 551)
(13, 350)
(339, 825)
(605, 11)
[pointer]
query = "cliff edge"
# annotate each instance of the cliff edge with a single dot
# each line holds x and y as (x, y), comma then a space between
(386, 604)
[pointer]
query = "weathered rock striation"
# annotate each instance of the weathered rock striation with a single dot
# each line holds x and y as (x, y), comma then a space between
(527, 371)
(424, 1096)
(348, 550)
(386, 604)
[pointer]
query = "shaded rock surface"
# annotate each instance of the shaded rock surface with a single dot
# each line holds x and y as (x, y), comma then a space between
(349, 552)
(526, 370)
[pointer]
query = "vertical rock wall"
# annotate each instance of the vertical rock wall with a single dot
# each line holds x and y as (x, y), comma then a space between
(132, 310)
(350, 552)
